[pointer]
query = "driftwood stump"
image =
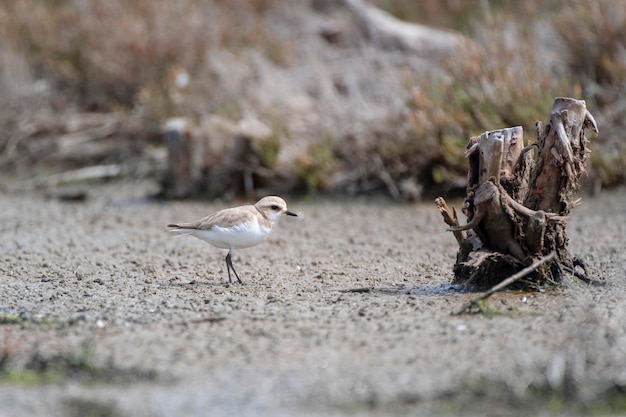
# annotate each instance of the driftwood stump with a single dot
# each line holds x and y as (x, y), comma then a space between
(218, 158)
(517, 206)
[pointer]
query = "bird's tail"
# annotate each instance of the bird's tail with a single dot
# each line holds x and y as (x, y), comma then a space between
(179, 230)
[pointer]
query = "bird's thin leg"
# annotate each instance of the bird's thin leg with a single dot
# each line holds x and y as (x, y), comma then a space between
(228, 268)
(229, 264)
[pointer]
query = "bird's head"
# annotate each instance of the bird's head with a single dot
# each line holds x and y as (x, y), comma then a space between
(273, 208)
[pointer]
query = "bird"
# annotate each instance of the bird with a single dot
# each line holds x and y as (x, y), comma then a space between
(237, 227)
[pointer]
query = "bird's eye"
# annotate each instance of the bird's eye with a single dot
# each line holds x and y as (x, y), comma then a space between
(274, 207)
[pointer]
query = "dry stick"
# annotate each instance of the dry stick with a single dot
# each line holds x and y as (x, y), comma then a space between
(359, 289)
(82, 174)
(506, 282)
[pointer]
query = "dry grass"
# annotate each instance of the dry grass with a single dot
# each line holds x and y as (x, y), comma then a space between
(392, 121)
(119, 55)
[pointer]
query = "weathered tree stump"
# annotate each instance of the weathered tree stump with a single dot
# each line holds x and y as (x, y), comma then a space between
(517, 207)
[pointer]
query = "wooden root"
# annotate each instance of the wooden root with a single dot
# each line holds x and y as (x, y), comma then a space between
(505, 283)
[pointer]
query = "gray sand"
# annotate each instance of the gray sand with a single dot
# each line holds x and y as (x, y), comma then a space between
(156, 331)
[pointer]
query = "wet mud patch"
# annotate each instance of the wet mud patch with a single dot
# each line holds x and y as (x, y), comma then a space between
(434, 290)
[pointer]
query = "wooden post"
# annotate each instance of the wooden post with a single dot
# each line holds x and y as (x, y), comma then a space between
(179, 176)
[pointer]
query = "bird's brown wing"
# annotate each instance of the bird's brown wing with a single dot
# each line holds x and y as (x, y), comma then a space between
(223, 218)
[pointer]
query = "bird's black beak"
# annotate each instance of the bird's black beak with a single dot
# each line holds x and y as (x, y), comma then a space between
(291, 213)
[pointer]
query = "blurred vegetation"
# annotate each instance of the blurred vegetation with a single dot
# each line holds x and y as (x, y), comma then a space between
(313, 168)
(38, 369)
(350, 119)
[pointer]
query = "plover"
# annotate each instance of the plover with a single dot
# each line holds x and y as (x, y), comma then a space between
(237, 227)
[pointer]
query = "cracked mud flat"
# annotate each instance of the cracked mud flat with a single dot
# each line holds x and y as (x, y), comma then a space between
(103, 281)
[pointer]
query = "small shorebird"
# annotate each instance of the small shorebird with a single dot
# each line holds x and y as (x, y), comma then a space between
(237, 227)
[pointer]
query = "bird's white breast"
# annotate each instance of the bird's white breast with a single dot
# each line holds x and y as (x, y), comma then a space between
(242, 235)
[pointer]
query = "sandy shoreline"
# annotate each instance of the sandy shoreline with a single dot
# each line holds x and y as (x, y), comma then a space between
(100, 284)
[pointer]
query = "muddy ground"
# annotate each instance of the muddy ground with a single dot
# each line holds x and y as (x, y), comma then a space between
(104, 314)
